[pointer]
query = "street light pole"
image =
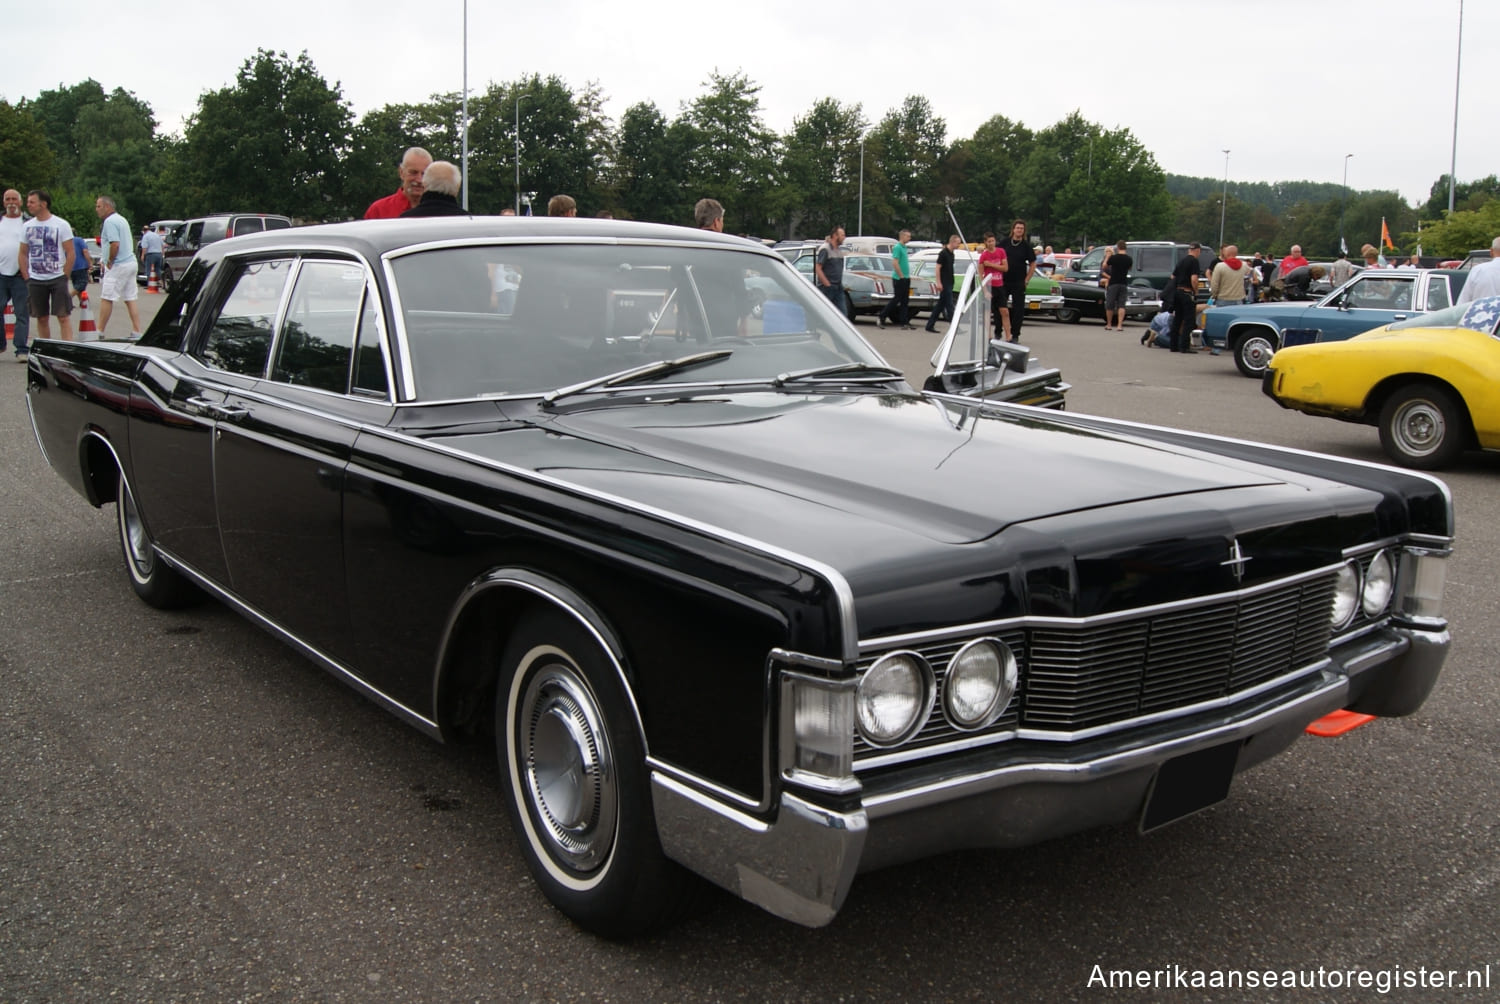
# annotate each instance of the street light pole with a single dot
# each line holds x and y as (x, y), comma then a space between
(464, 159)
(519, 99)
(1223, 204)
(1344, 248)
(1457, 75)
(860, 224)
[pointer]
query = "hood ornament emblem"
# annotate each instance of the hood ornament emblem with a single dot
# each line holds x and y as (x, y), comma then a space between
(1237, 561)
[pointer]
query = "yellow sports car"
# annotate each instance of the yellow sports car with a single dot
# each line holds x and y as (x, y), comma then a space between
(1430, 383)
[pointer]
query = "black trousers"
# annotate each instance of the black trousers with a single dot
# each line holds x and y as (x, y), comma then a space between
(897, 310)
(1184, 316)
(943, 311)
(1016, 300)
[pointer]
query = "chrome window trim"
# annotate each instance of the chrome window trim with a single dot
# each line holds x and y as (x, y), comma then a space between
(408, 394)
(277, 318)
(872, 645)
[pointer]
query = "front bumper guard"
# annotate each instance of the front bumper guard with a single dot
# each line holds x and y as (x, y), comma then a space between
(800, 864)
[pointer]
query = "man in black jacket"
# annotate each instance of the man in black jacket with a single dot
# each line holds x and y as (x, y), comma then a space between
(441, 183)
(1021, 260)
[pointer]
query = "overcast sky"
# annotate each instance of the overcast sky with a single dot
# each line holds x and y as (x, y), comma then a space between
(1288, 86)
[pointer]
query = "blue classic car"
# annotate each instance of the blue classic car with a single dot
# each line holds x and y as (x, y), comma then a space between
(1372, 298)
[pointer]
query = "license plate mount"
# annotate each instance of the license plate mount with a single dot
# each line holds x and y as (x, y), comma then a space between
(1188, 784)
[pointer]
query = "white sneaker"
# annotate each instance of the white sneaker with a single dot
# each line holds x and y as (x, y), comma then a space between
(21, 357)
(134, 335)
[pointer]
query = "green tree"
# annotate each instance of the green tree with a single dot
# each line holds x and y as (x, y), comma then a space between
(1120, 192)
(275, 139)
(983, 167)
(1463, 231)
(1467, 195)
(734, 155)
(912, 142)
(648, 168)
(555, 153)
(26, 160)
(820, 171)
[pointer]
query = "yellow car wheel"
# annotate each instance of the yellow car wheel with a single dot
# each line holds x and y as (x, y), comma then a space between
(1421, 426)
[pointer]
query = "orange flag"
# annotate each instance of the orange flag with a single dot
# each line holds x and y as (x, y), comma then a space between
(1385, 235)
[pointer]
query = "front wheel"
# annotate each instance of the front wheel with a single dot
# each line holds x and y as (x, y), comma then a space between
(1253, 351)
(153, 580)
(576, 782)
(1421, 426)
(1069, 315)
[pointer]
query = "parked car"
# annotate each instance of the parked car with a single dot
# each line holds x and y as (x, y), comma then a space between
(1476, 257)
(1152, 263)
(867, 280)
(189, 236)
(1428, 383)
(1253, 331)
(729, 596)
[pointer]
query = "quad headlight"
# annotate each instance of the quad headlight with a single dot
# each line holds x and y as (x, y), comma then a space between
(1346, 595)
(980, 682)
(1379, 585)
(893, 699)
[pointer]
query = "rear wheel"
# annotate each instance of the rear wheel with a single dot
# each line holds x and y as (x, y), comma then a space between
(153, 580)
(1422, 426)
(1253, 351)
(576, 782)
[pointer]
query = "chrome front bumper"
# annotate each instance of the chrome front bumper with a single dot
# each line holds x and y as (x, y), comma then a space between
(800, 864)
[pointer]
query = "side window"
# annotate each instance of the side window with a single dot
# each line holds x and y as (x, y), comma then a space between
(247, 225)
(192, 237)
(1437, 292)
(213, 230)
(369, 367)
(317, 334)
(272, 223)
(172, 317)
(239, 341)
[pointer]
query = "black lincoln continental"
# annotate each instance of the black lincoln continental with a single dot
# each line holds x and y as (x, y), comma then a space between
(733, 599)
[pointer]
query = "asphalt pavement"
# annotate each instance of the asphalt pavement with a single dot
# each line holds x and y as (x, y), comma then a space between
(189, 811)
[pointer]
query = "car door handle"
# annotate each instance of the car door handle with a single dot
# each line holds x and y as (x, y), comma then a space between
(205, 406)
(1399, 317)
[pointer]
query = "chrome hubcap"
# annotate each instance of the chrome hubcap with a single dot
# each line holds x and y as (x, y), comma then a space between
(1256, 351)
(1419, 428)
(569, 767)
(134, 532)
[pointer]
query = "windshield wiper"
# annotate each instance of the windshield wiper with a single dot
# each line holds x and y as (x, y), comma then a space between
(636, 374)
(867, 373)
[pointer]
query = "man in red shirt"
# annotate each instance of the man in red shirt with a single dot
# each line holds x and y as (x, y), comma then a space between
(1293, 260)
(992, 268)
(413, 163)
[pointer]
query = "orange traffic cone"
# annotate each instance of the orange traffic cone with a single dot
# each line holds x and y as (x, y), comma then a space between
(86, 330)
(10, 324)
(151, 286)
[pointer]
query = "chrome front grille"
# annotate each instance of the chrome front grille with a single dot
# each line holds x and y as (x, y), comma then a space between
(1076, 677)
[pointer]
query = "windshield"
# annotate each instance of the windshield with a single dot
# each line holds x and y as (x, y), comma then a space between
(526, 319)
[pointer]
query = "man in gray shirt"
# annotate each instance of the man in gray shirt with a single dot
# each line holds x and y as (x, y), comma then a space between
(828, 267)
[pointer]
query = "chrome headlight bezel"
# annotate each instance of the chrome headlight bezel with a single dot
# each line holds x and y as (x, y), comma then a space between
(1006, 676)
(1346, 595)
(908, 671)
(1379, 586)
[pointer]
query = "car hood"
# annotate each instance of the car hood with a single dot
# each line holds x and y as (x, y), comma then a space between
(919, 464)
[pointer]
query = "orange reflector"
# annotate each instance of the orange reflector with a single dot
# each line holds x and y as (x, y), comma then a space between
(1338, 723)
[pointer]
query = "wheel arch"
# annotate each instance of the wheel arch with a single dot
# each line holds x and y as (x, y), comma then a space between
(483, 619)
(100, 465)
(1239, 329)
(1384, 390)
